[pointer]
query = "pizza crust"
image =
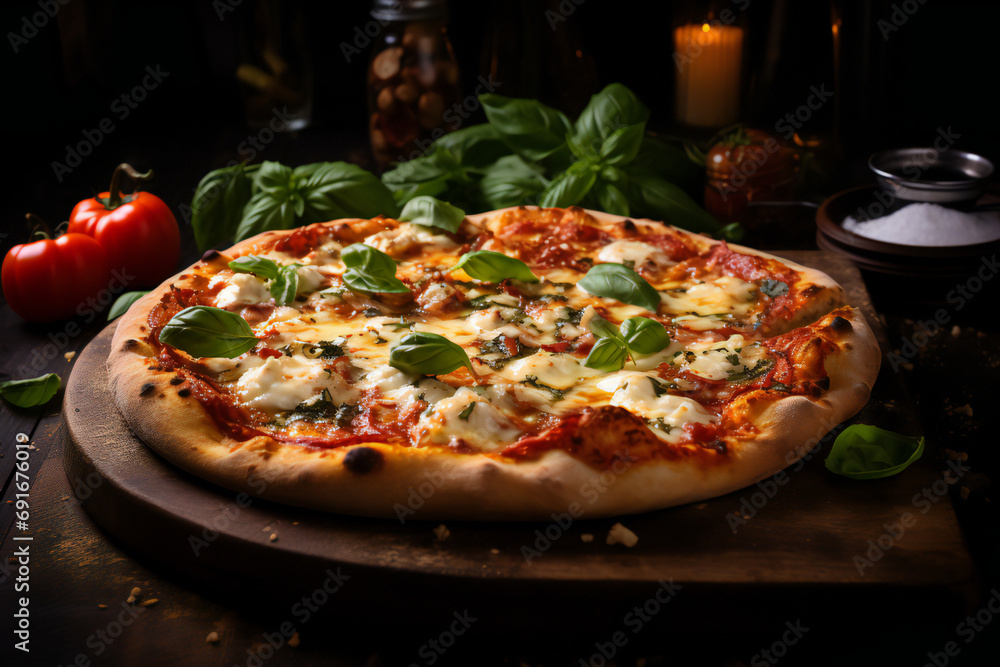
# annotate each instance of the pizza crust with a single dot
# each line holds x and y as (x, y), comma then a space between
(418, 483)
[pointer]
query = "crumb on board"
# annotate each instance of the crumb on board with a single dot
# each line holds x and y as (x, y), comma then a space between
(956, 456)
(273, 537)
(294, 640)
(69, 355)
(101, 606)
(136, 591)
(212, 638)
(619, 534)
(587, 537)
(964, 492)
(442, 533)
(494, 551)
(150, 602)
(964, 410)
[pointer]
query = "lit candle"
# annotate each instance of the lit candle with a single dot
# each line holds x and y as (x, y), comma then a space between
(708, 58)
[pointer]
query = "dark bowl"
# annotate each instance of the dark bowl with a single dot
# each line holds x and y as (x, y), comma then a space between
(929, 175)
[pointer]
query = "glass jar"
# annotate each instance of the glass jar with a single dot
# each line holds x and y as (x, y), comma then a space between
(413, 80)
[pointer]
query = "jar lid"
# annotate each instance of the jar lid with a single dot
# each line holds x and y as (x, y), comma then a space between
(409, 10)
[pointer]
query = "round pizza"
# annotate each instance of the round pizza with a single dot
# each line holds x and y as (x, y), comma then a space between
(502, 366)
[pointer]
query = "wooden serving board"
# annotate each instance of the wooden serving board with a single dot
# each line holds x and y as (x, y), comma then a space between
(802, 531)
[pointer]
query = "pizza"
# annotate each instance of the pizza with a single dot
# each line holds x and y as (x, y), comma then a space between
(523, 362)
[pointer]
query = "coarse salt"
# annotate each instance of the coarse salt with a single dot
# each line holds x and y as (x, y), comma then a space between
(929, 225)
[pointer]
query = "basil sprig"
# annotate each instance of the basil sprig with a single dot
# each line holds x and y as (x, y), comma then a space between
(493, 267)
(31, 392)
(424, 353)
(123, 303)
(240, 201)
(616, 281)
(431, 212)
(204, 331)
(863, 451)
(636, 336)
(370, 270)
(284, 279)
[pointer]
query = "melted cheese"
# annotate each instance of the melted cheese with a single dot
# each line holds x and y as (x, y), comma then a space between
(283, 383)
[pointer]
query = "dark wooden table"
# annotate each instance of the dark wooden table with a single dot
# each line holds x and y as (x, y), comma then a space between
(80, 579)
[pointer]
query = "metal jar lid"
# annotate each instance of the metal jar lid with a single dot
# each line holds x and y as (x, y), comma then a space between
(409, 10)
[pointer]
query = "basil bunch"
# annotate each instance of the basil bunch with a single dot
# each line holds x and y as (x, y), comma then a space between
(636, 336)
(284, 279)
(529, 153)
(237, 202)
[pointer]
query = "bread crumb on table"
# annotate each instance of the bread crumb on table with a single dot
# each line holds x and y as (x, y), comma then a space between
(273, 537)
(212, 638)
(587, 537)
(442, 533)
(619, 534)
(69, 355)
(294, 640)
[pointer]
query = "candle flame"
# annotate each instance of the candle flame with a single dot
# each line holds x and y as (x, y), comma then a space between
(705, 27)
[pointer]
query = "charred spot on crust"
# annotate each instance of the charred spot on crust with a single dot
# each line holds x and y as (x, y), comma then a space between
(362, 459)
(130, 345)
(717, 445)
(841, 324)
(210, 255)
(629, 226)
(147, 388)
(177, 379)
(184, 393)
(824, 383)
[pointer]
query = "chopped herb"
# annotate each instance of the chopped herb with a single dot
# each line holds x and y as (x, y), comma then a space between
(629, 264)
(372, 312)
(659, 387)
(324, 349)
(464, 414)
(733, 359)
(498, 346)
(779, 386)
(660, 425)
(773, 288)
(380, 341)
(321, 408)
(759, 369)
(532, 381)
(401, 324)
(549, 298)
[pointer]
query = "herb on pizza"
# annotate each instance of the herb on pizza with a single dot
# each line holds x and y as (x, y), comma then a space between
(494, 267)
(637, 336)
(431, 212)
(615, 281)
(862, 451)
(283, 280)
(424, 353)
(204, 331)
(370, 270)
(31, 392)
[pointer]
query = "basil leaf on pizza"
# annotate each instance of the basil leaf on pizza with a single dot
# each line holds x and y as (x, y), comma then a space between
(425, 353)
(259, 266)
(616, 281)
(370, 270)
(285, 285)
(206, 331)
(494, 267)
(862, 451)
(644, 336)
(31, 392)
(608, 354)
(431, 212)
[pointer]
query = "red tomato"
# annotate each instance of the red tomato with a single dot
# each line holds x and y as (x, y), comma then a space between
(140, 236)
(51, 280)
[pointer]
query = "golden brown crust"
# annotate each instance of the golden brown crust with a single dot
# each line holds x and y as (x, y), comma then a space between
(403, 482)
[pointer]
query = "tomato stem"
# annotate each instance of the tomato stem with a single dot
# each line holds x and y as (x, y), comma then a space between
(114, 198)
(37, 228)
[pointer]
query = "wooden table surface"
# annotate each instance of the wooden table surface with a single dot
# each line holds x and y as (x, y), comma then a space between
(77, 579)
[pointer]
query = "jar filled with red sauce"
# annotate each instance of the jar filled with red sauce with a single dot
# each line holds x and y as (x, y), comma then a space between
(747, 165)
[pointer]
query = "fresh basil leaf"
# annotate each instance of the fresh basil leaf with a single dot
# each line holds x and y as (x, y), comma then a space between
(669, 162)
(257, 265)
(652, 196)
(623, 144)
(218, 202)
(611, 198)
(493, 267)
(613, 108)
(475, 147)
(570, 187)
(426, 353)
(123, 303)
(274, 178)
(532, 381)
(467, 412)
(370, 270)
(773, 288)
(428, 175)
(601, 328)
(432, 212)
(511, 182)
(733, 233)
(31, 392)
(531, 129)
(614, 281)
(608, 354)
(285, 285)
(204, 331)
(863, 451)
(332, 190)
(644, 336)
(265, 213)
